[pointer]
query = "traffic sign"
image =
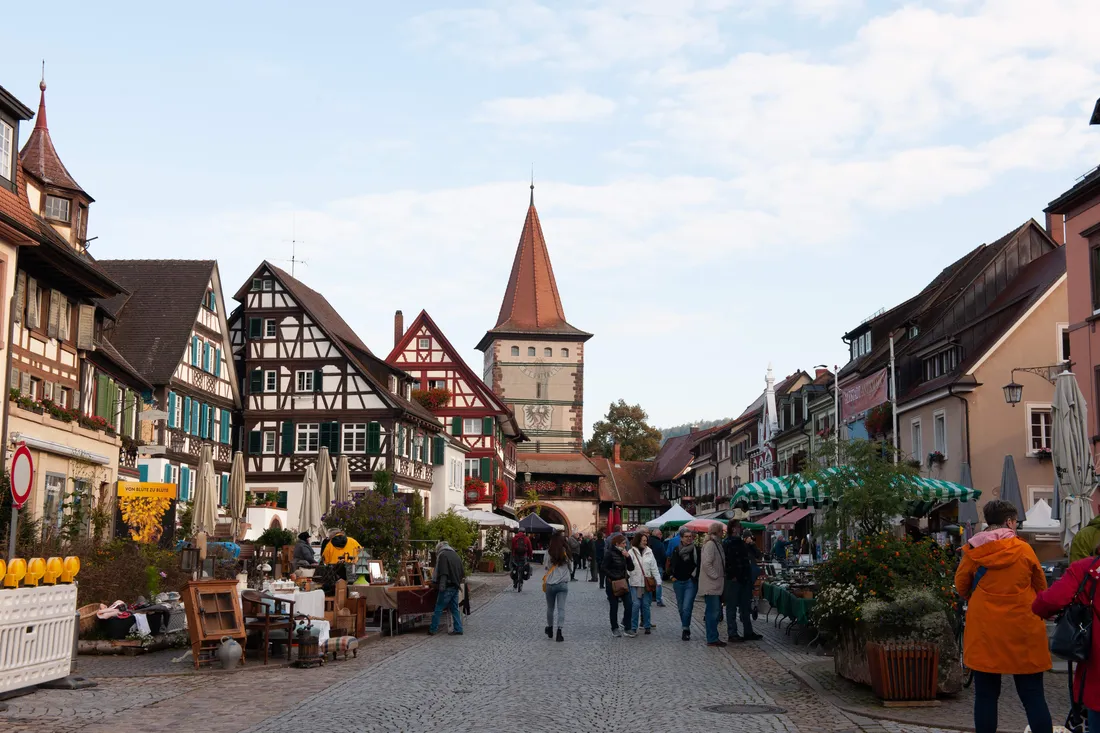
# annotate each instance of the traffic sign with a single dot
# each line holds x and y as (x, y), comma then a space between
(22, 476)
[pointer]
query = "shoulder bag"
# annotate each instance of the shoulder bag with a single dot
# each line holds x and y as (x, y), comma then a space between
(1072, 638)
(619, 587)
(547, 575)
(650, 581)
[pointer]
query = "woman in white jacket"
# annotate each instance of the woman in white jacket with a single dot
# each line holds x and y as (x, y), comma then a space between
(645, 569)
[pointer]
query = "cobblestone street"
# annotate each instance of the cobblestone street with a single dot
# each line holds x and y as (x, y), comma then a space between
(502, 675)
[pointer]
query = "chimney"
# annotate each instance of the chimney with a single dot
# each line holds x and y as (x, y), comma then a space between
(398, 327)
(819, 373)
(694, 428)
(615, 453)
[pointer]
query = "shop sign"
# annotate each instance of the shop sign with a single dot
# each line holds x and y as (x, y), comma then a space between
(146, 490)
(863, 395)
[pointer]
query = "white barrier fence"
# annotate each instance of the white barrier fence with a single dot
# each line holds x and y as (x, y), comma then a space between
(37, 625)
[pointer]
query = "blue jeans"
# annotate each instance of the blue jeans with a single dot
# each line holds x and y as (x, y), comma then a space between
(613, 602)
(987, 689)
(710, 616)
(660, 593)
(1094, 720)
(641, 600)
(685, 600)
(448, 599)
(555, 596)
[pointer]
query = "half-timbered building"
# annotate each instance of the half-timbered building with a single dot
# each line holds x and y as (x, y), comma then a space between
(171, 325)
(309, 381)
(445, 384)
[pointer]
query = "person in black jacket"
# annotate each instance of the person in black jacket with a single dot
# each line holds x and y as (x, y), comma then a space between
(597, 561)
(657, 545)
(684, 565)
(616, 564)
(738, 586)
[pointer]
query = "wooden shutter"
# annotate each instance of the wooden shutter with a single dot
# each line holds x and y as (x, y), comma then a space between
(456, 426)
(33, 303)
(334, 436)
(288, 438)
(53, 318)
(256, 381)
(323, 434)
(206, 357)
(217, 362)
(255, 442)
(204, 412)
(65, 325)
(20, 297)
(185, 482)
(167, 473)
(484, 472)
(318, 380)
(172, 409)
(487, 426)
(25, 383)
(102, 395)
(437, 450)
(225, 489)
(128, 414)
(374, 438)
(143, 472)
(186, 415)
(85, 329)
(47, 390)
(225, 426)
(255, 328)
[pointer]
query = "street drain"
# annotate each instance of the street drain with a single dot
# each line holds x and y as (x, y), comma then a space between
(462, 692)
(745, 709)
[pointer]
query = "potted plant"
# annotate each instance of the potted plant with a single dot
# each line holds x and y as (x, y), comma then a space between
(936, 458)
(1043, 454)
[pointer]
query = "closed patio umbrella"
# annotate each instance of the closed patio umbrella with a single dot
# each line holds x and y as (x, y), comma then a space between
(325, 493)
(309, 514)
(1010, 485)
(343, 480)
(1072, 455)
(204, 513)
(237, 507)
(968, 510)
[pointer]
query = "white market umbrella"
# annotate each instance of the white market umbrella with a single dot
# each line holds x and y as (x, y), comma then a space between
(204, 512)
(237, 507)
(676, 514)
(1072, 455)
(486, 519)
(309, 514)
(325, 492)
(343, 480)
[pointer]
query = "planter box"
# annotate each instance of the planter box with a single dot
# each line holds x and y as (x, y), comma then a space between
(903, 670)
(850, 656)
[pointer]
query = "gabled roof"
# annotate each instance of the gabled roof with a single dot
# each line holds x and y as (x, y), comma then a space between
(564, 464)
(628, 483)
(781, 389)
(1086, 188)
(531, 302)
(317, 305)
(675, 455)
(154, 322)
(105, 350)
(423, 320)
(15, 210)
(40, 158)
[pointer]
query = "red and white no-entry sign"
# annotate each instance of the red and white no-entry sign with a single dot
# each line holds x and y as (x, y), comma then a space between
(22, 476)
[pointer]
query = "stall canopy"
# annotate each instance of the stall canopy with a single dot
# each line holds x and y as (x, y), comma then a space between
(799, 490)
(535, 524)
(674, 517)
(790, 519)
(774, 516)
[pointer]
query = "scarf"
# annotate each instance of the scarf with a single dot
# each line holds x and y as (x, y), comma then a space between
(687, 552)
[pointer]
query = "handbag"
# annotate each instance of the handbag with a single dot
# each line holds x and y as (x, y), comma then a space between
(1072, 638)
(547, 575)
(619, 587)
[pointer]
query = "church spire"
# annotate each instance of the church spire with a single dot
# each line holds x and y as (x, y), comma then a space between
(40, 120)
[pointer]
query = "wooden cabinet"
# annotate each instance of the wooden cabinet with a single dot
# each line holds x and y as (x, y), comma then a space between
(213, 612)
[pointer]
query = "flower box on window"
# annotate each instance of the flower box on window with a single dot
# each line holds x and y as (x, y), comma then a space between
(1043, 454)
(935, 457)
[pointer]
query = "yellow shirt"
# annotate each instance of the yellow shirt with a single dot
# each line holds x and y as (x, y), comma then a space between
(348, 553)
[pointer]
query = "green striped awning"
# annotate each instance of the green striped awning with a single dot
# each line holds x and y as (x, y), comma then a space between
(803, 490)
(938, 490)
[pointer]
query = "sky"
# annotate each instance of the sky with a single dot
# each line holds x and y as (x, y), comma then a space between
(723, 184)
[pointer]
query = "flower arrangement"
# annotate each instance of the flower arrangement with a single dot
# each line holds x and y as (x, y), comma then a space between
(432, 399)
(543, 488)
(579, 488)
(1043, 454)
(500, 492)
(64, 414)
(879, 420)
(936, 457)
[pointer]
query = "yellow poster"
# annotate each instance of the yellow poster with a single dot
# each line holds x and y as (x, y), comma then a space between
(146, 490)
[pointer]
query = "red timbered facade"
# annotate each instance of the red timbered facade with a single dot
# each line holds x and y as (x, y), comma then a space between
(465, 404)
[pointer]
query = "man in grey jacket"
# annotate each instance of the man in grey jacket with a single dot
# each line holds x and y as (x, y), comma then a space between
(574, 546)
(447, 579)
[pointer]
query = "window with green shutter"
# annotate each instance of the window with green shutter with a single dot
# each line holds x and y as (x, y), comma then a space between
(288, 438)
(255, 442)
(195, 417)
(456, 426)
(171, 409)
(205, 356)
(167, 473)
(217, 362)
(130, 401)
(203, 420)
(194, 351)
(324, 434)
(318, 380)
(485, 469)
(255, 328)
(186, 415)
(334, 438)
(437, 450)
(185, 483)
(486, 426)
(374, 438)
(256, 381)
(225, 489)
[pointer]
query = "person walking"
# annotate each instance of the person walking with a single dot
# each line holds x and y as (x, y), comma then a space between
(573, 546)
(1079, 582)
(645, 577)
(684, 566)
(447, 579)
(555, 583)
(586, 551)
(616, 566)
(598, 550)
(738, 585)
(712, 579)
(657, 546)
(999, 575)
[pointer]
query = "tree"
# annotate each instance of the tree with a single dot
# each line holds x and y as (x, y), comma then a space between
(459, 532)
(529, 503)
(626, 425)
(383, 482)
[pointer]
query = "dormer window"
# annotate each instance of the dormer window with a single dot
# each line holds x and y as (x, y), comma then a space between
(57, 208)
(7, 151)
(861, 345)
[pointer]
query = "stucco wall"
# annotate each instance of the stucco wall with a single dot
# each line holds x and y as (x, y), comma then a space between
(1084, 341)
(562, 382)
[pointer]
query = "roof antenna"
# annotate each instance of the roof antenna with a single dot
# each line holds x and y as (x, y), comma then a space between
(294, 242)
(532, 184)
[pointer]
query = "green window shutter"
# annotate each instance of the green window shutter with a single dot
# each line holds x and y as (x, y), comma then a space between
(256, 381)
(128, 414)
(171, 409)
(217, 362)
(102, 396)
(226, 424)
(143, 473)
(456, 425)
(194, 351)
(318, 380)
(205, 357)
(225, 489)
(185, 483)
(204, 412)
(374, 438)
(484, 472)
(195, 416)
(255, 328)
(167, 473)
(334, 437)
(487, 426)
(288, 438)
(437, 450)
(324, 434)
(255, 442)
(186, 415)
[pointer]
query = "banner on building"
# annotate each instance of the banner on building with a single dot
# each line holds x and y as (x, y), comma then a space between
(863, 395)
(146, 490)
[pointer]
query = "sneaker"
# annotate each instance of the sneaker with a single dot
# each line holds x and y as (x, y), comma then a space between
(454, 633)
(652, 625)
(660, 604)
(431, 633)
(734, 638)
(647, 632)
(616, 632)
(685, 635)
(717, 643)
(631, 634)
(559, 637)
(549, 632)
(753, 637)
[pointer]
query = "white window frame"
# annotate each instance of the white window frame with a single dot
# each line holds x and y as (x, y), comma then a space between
(269, 284)
(68, 206)
(916, 440)
(1047, 491)
(423, 343)
(303, 380)
(177, 419)
(271, 328)
(1060, 330)
(311, 433)
(472, 468)
(941, 417)
(271, 381)
(357, 432)
(1031, 409)
(437, 384)
(7, 151)
(269, 442)
(466, 422)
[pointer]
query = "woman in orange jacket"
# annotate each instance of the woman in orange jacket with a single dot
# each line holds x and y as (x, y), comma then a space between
(999, 575)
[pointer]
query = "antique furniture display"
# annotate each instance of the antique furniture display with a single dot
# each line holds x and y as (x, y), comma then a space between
(266, 613)
(213, 612)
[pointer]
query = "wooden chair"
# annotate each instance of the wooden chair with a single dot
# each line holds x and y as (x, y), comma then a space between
(265, 613)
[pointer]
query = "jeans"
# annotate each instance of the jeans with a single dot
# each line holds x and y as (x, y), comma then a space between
(710, 616)
(640, 598)
(987, 689)
(556, 595)
(660, 593)
(1094, 720)
(685, 600)
(613, 601)
(447, 598)
(738, 599)
(593, 570)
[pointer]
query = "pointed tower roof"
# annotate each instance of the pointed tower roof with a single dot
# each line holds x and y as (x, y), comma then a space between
(531, 302)
(39, 157)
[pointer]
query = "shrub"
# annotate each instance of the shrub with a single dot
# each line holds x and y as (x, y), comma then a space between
(276, 537)
(459, 533)
(377, 522)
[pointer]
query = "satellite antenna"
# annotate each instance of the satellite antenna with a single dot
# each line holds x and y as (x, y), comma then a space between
(294, 242)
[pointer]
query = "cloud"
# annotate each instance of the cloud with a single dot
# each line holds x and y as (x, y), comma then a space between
(570, 106)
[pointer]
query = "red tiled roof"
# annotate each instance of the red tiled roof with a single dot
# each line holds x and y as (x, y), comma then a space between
(628, 483)
(40, 157)
(17, 209)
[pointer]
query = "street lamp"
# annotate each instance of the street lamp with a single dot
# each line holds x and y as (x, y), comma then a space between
(1015, 392)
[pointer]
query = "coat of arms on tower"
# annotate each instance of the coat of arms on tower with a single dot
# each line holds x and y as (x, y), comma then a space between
(538, 416)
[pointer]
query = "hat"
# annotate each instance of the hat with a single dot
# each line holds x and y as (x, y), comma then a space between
(304, 536)
(334, 532)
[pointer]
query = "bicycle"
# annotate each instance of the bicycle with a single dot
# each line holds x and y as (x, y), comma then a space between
(519, 573)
